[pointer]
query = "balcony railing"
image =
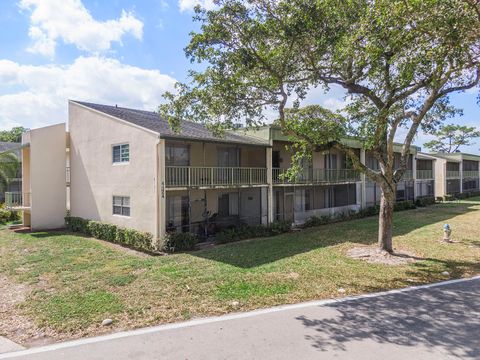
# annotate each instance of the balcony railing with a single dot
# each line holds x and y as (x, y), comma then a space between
(67, 175)
(471, 174)
(407, 175)
(453, 174)
(194, 176)
(317, 176)
(17, 200)
(425, 175)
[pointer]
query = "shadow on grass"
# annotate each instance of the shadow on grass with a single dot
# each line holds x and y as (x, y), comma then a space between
(443, 318)
(256, 252)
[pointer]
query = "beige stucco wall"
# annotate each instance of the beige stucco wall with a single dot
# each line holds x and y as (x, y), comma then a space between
(95, 180)
(46, 174)
(440, 173)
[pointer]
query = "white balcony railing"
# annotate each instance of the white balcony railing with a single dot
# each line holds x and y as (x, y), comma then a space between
(471, 174)
(317, 176)
(195, 176)
(67, 175)
(453, 174)
(407, 175)
(17, 200)
(425, 175)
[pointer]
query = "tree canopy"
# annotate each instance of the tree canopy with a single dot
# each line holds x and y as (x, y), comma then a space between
(398, 60)
(13, 135)
(8, 168)
(450, 138)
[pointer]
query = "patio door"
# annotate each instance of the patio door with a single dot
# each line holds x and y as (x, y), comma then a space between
(178, 213)
(289, 207)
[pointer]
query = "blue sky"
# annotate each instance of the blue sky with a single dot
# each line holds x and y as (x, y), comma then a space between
(121, 52)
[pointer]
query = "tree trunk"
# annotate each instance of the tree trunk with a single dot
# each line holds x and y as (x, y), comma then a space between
(385, 220)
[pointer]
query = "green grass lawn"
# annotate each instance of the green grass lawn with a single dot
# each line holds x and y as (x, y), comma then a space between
(76, 282)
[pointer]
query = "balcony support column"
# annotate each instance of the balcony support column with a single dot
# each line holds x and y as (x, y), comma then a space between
(363, 178)
(268, 155)
(414, 175)
(461, 177)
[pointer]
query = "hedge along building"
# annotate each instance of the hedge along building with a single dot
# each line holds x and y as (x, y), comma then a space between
(127, 167)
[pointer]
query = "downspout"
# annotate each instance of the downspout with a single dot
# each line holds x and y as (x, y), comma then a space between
(157, 194)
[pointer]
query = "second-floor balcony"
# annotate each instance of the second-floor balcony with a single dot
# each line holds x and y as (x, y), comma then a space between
(317, 176)
(452, 174)
(471, 174)
(17, 200)
(425, 175)
(200, 176)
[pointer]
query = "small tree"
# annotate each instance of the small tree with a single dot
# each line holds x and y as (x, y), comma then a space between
(449, 138)
(398, 60)
(13, 135)
(8, 168)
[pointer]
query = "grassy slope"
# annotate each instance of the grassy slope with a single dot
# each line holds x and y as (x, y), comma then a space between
(78, 281)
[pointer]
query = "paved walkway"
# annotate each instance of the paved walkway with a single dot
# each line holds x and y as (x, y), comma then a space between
(432, 322)
(8, 345)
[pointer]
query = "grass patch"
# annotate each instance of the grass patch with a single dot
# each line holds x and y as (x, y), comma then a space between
(246, 290)
(77, 281)
(70, 311)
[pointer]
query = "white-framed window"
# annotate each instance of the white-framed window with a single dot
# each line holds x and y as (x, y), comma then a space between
(121, 205)
(120, 153)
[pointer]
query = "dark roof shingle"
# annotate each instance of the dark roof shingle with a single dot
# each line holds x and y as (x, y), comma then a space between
(152, 121)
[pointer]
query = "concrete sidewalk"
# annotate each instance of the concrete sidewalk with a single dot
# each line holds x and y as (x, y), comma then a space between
(8, 345)
(440, 321)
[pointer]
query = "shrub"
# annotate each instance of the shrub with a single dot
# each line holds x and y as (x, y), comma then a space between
(280, 227)
(129, 237)
(177, 241)
(7, 215)
(317, 221)
(425, 201)
(77, 224)
(251, 231)
(404, 205)
(102, 231)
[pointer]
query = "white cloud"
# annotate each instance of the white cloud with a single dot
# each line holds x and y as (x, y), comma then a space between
(70, 21)
(37, 95)
(189, 5)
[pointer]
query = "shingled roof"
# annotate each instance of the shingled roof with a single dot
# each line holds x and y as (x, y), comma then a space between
(152, 121)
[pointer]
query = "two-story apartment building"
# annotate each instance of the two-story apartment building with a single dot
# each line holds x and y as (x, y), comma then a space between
(129, 168)
(456, 173)
(327, 185)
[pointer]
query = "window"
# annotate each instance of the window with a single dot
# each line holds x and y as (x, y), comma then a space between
(228, 157)
(121, 205)
(120, 153)
(177, 155)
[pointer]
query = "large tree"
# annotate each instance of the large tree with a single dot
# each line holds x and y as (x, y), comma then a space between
(449, 138)
(398, 60)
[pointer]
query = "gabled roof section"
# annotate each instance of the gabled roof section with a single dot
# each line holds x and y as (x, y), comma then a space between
(188, 130)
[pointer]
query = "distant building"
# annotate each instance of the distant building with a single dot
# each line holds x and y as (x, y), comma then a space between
(15, 183)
